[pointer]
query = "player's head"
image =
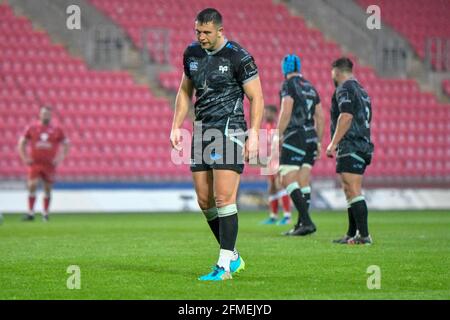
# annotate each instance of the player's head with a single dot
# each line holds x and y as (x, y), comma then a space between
(208, 28)
(45, 114)
(290, 63)
(342, 68)
(270, 113)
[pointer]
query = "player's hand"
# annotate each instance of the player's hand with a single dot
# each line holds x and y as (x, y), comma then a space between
(175, 139)
(251, 147)
(331, 150)
(27, 161)
(57, 161)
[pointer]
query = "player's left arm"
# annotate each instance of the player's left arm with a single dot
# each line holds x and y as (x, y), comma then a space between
(319, 121)
(63, 152)
(253, 91)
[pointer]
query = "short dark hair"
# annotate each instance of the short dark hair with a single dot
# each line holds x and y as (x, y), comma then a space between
(272, 108)
(343, 64)
(209, 15)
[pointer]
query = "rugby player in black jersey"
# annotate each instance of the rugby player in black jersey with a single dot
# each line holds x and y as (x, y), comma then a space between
(300, 126)
(351, 115)
(220, 72)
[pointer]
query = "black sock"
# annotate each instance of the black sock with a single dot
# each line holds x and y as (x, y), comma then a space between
(302, 207)
(307, 197)
(359, 210)
(228, 230)
(214, 225)
(351, 232)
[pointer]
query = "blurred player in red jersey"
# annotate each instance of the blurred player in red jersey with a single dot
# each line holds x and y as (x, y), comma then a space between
(276, 191)
(43, 140)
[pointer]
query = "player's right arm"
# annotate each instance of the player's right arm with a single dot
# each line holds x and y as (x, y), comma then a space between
(23, 152)
(182, 103)
(345, 103)
(287, 104)
(319, 121)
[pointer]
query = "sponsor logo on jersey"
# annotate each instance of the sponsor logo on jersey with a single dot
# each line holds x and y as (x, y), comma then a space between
(44, 136)
(193, 66)
(296, 158)
(43, 142)
(223, 69)
(250, 68)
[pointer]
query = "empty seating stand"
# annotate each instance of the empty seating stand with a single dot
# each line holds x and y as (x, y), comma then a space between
(417, 21)
(119, 130)
(408, 125)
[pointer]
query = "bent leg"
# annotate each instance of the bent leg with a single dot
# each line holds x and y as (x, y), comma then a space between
(352, 184)
(32, 187)
(47, 196)
(289, 179)
(204, 188)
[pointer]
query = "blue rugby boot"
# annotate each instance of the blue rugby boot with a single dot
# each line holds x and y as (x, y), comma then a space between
(237, 265)
(217, 274)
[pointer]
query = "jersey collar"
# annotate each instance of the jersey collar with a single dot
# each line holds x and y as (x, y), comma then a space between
(350, 79)
(211, 53)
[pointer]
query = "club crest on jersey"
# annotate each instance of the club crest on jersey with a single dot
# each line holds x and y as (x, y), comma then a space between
(193, 66)
(44, 136)
(223, 69)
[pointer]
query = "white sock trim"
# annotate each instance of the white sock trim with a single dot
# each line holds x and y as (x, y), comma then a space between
(292, 187)
(306, 189)
(228, 210)
(225, 257)
(356, 199)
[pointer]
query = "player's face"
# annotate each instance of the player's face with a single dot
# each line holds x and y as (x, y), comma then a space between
(45, 116)
(208, 35)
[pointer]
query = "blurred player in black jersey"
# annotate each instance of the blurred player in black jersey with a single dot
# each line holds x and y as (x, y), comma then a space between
(300, 128)
(221, 72)
(351, 114)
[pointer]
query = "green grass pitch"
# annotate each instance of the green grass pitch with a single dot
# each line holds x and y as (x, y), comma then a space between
(160, 256)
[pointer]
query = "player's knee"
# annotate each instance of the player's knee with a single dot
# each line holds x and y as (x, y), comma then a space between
(352, 191)
(204, 204)
(289, 174)
(224, 200)
(304, 181)
(32, 186)
(347, 190)
(287, 180)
